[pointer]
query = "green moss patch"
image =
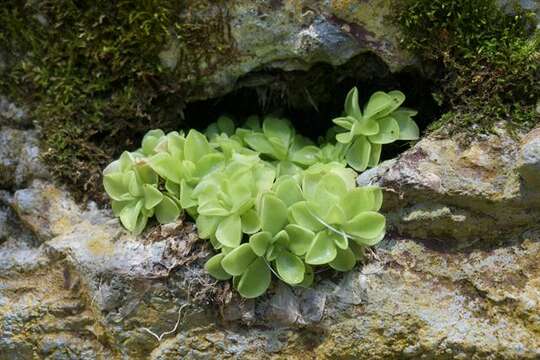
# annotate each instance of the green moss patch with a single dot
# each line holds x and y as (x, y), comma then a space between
(99, 74)
(487, 61)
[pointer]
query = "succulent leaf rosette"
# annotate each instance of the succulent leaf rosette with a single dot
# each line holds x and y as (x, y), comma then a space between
(270, 202)
(383, 121)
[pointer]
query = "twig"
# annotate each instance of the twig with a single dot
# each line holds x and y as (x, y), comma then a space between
(160, 337)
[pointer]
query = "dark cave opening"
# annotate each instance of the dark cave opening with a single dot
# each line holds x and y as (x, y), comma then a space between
(311, 99)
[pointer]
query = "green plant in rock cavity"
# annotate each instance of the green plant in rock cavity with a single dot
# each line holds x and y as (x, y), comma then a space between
(133, 188)
(269, 201)
(383, 121)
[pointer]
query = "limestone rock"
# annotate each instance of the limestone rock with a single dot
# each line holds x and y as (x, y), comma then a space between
(19, 163)
(453, 194)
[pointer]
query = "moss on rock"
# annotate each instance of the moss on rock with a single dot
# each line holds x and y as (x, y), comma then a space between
(486, 59)
(96, 75)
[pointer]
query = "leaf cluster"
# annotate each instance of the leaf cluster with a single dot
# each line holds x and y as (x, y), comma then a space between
(270, 201)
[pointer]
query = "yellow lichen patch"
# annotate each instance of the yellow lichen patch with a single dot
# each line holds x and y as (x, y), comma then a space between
(100, 245)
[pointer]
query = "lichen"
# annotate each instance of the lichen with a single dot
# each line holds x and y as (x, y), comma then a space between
(485, 58)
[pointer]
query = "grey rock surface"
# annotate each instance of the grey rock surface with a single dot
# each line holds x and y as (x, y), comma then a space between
(74, 284)
(19, 158)
(453, 193)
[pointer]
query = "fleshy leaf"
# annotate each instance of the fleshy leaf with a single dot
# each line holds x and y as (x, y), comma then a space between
(290, 268)
(150, 140)
(130, 213)
(259, 242)
(260, 143)
(152, 196)
(378, 103)
(375, 155)
(366, 198)
(344, 122)
(166, 166)
(322, 250)
(196, 146)
(250, 222)
(225, 125)
(237, 261)
(289, 191)
(167, 211)
(214, 268)
(256, 280)
(300, 238)
(300, 214)
(408, 130)
(305, 156)
(273, 214)
(352, 108)
(359, 153)
(388, 131)
(278, 128)
(368, 224)
(207, 225)
(229, 231)
(116, 187)
(344, 261)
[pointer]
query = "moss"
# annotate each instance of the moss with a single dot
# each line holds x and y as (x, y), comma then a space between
(486, 60)
(92, 74)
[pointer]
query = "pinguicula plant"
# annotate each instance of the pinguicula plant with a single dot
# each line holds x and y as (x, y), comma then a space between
(271, 203)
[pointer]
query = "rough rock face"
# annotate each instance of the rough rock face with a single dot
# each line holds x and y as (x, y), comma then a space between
(290, 35)
(475, 195)
(74, 285)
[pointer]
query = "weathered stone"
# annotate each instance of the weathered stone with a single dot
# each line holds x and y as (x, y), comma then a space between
(456, 195)
(285, 35)
(11, 114)
(529, 161)
(19, 163)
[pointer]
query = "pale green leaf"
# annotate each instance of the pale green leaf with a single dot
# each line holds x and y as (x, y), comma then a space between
(388, 131)
(322, 250)
(273, 214)
(237, 261)
(360, 199)
(196, 146)
(367, 224)
(150, 140)
(288, 190)
(290, 268)
(116, 186)
(256, 280)
(207, 225)
(359, 153)
(408, 130)
(352, 108)
(259, 242)
(344, 261)
(378, 103)
(300, 238)
(167, 211)
(260, 143)
(229, 231)
(166, 166)
(278, 128)
(152, 196)
(344, 122)
(130, 214)
(250, 222)
(214, 268)
(300, 214)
